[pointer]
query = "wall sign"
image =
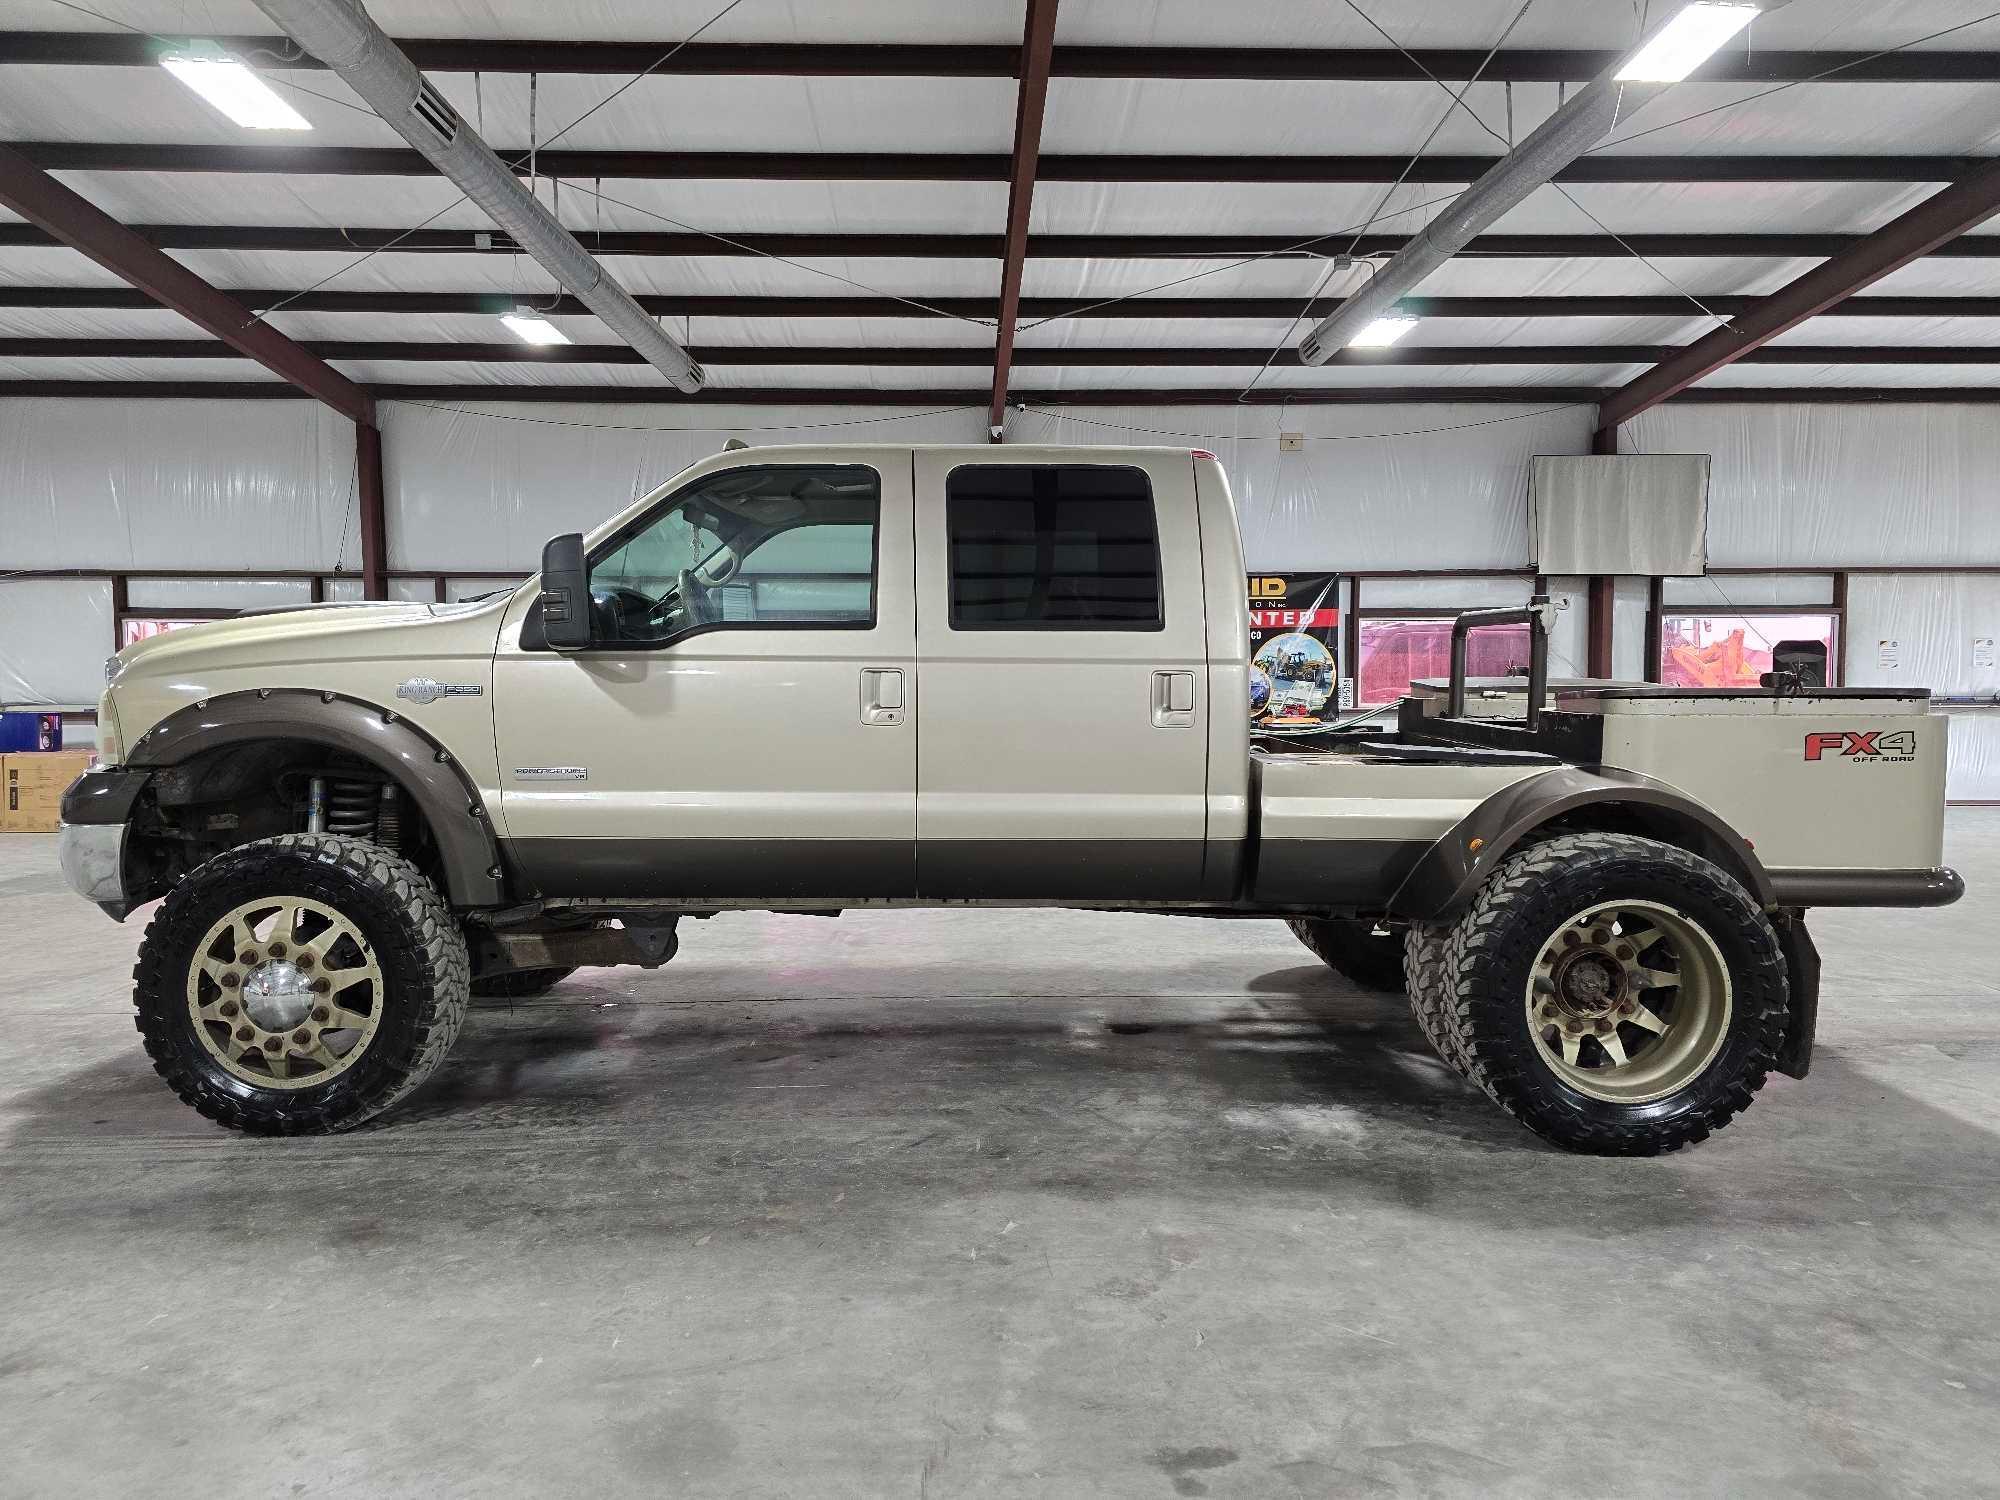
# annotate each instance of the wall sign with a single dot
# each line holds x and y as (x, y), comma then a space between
(1294, 650)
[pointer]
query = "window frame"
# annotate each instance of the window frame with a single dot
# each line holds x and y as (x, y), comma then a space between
(646, 518)
(1092, 627)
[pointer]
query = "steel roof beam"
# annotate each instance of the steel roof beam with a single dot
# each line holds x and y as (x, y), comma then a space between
(1939, 218)
(1038, 42)
(84, 227)
(974, 60)
(951, 166)
(891, 245)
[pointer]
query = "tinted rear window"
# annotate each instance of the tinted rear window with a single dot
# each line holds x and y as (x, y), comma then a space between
(1052, 547)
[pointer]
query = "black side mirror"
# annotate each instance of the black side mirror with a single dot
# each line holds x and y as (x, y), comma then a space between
(565, 593)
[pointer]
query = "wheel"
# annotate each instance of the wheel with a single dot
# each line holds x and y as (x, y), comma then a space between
(520, 984)
(300, 985)
(1614, 994)
(1352, 948)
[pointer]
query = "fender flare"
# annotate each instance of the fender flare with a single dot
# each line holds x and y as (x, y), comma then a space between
(423, 768)
(1446, 877)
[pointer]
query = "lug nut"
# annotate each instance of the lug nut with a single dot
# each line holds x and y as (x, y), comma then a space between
(322, 1014)
(302, 1036)
(244, 1033)
(272, 1044)
(277, 950)
(304, 961)
(231, 980)
(228, 1008)
(321, 986)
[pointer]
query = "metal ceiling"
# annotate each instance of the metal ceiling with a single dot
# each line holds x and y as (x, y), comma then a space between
(817, 200)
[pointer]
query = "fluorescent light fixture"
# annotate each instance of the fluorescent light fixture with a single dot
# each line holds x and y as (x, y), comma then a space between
(1686, 42)
(233, 88)
(530, 327)
(1383, 332)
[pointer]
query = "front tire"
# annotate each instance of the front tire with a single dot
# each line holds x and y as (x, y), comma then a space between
(300, 985)
(1616, 995)
(1352, 948)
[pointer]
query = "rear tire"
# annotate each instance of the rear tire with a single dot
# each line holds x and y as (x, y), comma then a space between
(519, 984)
(1352, 948)
(1616, 995)
(300, 985)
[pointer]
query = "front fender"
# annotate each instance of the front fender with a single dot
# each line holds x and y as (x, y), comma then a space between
(423, 768)
(1453, 869)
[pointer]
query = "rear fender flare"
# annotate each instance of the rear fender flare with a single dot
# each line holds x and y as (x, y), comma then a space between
(423, 768)
(1453, 869)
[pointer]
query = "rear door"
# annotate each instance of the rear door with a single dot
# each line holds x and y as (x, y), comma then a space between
(1061, 745)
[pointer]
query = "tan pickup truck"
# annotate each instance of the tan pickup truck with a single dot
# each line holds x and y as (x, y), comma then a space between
(822, 678)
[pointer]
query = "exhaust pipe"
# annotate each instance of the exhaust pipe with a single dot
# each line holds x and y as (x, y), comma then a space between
(341, 34)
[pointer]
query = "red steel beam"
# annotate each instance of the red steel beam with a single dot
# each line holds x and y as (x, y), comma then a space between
(1941, 217)
(374, 522)
(1037, 50)
(40, 199)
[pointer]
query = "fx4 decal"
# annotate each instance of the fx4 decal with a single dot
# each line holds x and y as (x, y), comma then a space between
(1859, 744)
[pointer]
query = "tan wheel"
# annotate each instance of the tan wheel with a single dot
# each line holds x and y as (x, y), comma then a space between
(285, 993)
(1629, 1001)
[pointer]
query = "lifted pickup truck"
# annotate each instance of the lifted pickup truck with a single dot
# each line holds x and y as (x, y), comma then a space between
(817, 678)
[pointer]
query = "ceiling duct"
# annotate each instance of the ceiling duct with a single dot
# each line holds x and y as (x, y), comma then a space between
(1573, 129)
(341, 34)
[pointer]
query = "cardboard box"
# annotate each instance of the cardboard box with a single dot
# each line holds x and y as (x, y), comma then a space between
(31, 786)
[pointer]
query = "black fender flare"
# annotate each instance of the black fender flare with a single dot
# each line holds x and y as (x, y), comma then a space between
(384, 738)
(1452, 869)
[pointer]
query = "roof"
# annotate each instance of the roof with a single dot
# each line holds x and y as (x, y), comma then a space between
(815, 198)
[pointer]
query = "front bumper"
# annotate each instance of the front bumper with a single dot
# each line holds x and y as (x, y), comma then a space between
(91, 839)
(93, 862)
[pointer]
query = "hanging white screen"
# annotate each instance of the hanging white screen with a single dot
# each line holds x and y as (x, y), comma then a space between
(1642, 513)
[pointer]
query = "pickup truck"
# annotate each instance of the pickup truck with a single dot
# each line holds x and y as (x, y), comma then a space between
(809, 679)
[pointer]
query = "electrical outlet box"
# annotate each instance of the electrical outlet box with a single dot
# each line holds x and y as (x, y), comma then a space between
(1291, 442)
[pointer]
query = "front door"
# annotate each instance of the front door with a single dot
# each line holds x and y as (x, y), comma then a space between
(743, 725)
(1063, 741)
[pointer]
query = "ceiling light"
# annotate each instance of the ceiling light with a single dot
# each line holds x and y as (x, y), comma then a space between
(1383, 332)
(233, 88)
(1685, 42)
(530, 327)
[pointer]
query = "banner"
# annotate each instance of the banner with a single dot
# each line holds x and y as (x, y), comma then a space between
(1294, 650)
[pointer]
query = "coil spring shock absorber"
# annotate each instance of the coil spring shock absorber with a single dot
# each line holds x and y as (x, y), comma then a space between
(350, 807)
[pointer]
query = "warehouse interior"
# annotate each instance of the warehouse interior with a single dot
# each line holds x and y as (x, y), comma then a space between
(1007, 1201)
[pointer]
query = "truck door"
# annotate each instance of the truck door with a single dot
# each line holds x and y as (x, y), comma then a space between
(742, 725)
(1062, 735)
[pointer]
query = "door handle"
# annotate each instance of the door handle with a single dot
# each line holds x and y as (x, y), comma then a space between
(1173, 699)
(881, 695)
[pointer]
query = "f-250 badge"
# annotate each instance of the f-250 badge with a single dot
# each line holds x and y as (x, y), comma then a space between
(421, 690)
(1862, 744)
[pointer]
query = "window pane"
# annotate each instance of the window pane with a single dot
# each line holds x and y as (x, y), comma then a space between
(1052, 547)
(1394, 653)
(790, 545)
(1733, 650)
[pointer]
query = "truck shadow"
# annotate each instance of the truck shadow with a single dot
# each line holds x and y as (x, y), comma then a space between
(1302, 1089)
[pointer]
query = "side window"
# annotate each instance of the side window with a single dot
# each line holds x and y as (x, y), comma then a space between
(1052, 547)
(788, 546)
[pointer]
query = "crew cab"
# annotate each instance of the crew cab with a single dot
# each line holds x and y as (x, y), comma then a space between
(830, 677)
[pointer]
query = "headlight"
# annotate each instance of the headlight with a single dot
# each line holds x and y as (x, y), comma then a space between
(110, 738)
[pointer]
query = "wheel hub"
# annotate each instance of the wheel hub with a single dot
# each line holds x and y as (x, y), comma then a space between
(277, 995)
(285, 992)
(1628, 1001)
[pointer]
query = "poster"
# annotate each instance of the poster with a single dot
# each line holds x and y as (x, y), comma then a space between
(1294, 650)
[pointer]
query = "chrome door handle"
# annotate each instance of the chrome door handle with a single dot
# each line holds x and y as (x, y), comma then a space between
(881, 695)
(1173, 699)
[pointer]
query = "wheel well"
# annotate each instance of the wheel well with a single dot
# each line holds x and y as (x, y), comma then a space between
(237, 793)
(1662, 824)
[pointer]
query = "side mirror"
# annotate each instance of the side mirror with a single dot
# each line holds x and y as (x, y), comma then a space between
(565, 593)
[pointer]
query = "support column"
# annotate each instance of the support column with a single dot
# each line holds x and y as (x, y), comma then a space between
(374, 522)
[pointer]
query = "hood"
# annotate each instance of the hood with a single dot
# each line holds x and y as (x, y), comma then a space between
(304, 635)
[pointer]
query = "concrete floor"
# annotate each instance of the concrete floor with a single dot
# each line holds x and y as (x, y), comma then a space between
(1015, 1204)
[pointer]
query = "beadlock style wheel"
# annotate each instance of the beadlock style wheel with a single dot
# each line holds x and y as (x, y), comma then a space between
(285, 992)
(1629, 1001)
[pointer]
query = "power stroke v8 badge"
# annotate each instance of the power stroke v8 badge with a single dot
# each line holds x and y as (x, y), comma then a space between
(1876, 746)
